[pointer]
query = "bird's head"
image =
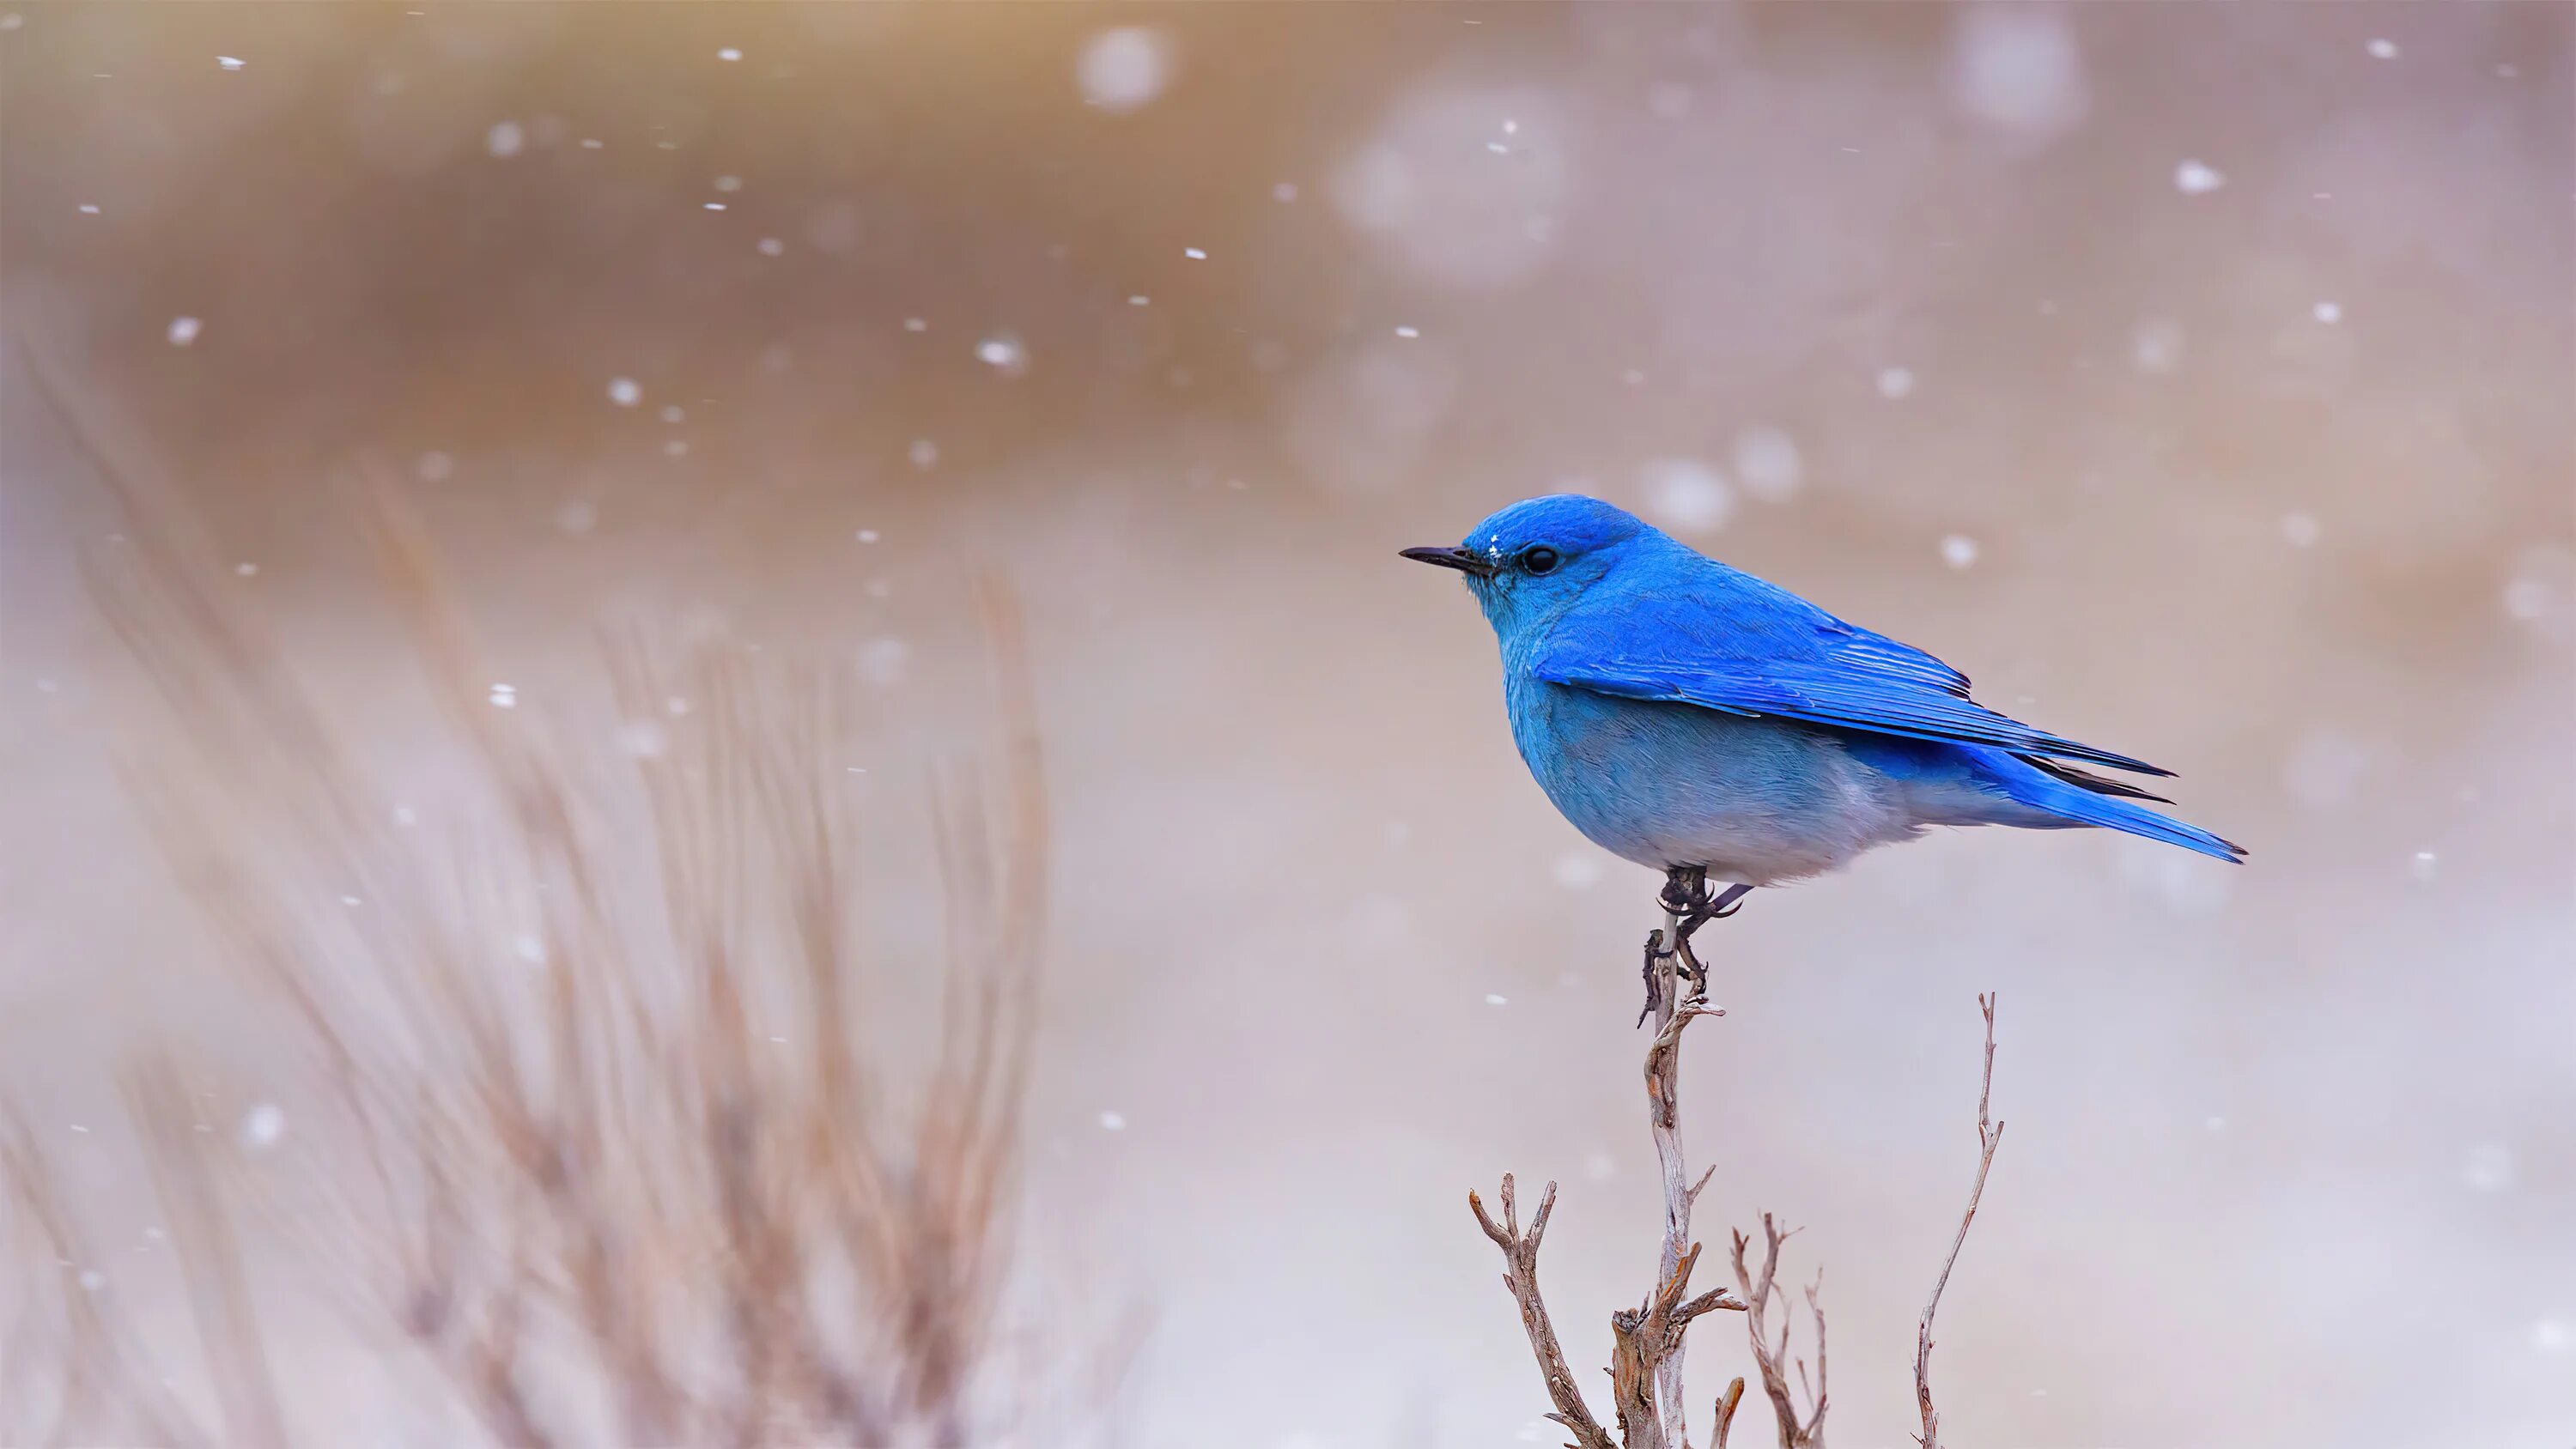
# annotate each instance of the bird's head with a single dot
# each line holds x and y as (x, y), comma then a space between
(1529, 561)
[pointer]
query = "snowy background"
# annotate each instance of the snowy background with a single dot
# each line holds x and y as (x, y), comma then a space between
(2197, 378)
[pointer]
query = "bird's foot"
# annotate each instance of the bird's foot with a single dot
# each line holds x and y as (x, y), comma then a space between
(1687, 897)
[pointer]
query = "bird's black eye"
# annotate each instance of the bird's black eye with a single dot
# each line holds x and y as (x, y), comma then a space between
(1539, 559)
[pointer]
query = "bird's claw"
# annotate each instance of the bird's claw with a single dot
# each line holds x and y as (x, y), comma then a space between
(1687, 898)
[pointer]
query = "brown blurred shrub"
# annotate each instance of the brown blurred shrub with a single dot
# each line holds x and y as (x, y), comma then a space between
(556, 1153)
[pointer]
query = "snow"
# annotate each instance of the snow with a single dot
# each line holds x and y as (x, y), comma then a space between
(184, 330)
(2381, 48)
(2156, 347)
(229, 62)
(1003, 353)
(1493, 1000)
(771, 246)
(505, 139)
(1113, 1122)
(1959, 551)
(2300, 529)
(2018, 68)
(1767, 463)
(625, 391)
(263, 1125)
(1686, 495)
(1194, 254)
(729, 53)
(2198, 178)
(923, 453)
(1125, 68)
(2329, 312)
(1895, 383)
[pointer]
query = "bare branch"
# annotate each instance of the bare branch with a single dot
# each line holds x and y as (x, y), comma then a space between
(1663, 1116)
(1520, 1277)
(1988, 1139)
(1725, 1410)
(1771, 1358)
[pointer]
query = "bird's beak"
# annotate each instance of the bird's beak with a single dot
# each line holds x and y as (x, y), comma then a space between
(1463, 560)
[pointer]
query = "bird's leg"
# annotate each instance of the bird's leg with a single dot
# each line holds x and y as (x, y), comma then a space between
(1685, 892)
(1687, 896)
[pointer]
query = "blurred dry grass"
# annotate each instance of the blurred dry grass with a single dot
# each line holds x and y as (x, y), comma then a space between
(567, 1165)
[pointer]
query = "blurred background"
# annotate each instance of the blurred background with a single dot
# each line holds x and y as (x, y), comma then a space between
(2198, 379)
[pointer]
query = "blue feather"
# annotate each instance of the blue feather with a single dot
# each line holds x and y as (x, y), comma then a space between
(1683, 713)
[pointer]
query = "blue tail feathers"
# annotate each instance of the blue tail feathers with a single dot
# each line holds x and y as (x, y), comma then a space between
(2083, 801)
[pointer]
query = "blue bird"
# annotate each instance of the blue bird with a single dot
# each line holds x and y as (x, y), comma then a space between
(1693, 718)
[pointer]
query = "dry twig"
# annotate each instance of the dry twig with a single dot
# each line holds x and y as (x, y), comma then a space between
(1800, 1428)
(1988, 1139)
(1646, 1341)
(627, 1165)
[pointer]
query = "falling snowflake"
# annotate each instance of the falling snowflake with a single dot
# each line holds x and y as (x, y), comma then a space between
(729, 53)
(2198, 178)
(1003, 353)
(625, 391)
(1895, 383)
(2300, 529)
(505, 139)
(1493, 1000)
(1959, 551)
(1687, 495)
(1113, 1122)
(229, 62)
(2156, 347)
(1125, 68)
(2328, 312)
(184, 330)
(2381, 48)
(263, 1125)
(923, 453)
(1768, 464)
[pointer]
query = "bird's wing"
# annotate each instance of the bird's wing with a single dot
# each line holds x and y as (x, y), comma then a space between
(1727, 641)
